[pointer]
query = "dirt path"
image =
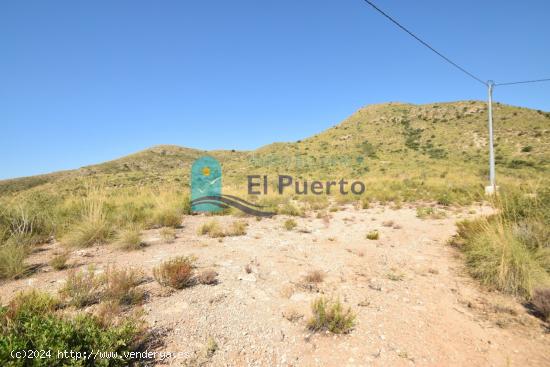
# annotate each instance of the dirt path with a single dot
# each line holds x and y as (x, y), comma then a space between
(414, 303)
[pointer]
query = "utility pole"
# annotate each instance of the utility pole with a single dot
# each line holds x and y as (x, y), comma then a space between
(491, 189)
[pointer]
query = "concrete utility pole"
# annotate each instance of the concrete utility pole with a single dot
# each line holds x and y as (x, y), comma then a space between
(492, 188)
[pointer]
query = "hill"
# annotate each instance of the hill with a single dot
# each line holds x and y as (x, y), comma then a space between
(428, 145)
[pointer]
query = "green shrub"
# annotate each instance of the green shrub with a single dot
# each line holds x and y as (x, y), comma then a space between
(30, 322)
(330, 315)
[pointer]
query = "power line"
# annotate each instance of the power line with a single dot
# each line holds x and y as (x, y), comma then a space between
(426, 44)
(525, 82)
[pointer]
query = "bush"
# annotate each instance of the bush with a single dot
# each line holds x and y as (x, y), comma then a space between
(30, 322)
(509, 251)
(129, 238)
(120, 286)
(81, 288)
(59, 262)
(541, 301)
(12, 260)
(176, 273)
(93, 227)
(429, 212)
(290, 209)
(290, 224)
(330, 316)
(212, 229)
(373, 235)
(237, 229)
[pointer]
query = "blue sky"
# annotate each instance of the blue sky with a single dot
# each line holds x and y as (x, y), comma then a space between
(84, 82)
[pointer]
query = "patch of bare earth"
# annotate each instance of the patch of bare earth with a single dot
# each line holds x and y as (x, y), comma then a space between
(414, 302)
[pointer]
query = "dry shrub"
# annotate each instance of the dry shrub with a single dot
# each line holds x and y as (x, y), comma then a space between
(120, 286)
(167, 234)
(81, 288)
(176, 273)
(314, 276)
(541, 301)
(208, 277)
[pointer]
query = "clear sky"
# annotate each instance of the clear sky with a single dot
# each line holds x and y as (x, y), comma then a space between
(82, 82)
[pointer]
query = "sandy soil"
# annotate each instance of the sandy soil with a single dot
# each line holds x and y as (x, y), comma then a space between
(414, 302)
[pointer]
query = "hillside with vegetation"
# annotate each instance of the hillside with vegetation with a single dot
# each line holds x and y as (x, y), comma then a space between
(417, 150)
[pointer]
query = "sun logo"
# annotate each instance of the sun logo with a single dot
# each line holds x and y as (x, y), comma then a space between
(206, 171)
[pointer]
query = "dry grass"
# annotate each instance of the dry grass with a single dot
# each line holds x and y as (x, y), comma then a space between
(429, 212)
(238, 228)
(167, 234)
(214, 229)
(12, 260)
(290, 224)
(373, 235)
(129, 238)
(314, 276)
(176, 273)
(93, 225)
(330, 315)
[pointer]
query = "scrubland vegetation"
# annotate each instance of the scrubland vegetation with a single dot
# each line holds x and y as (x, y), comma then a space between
(404, 154)
(510, 250)
(36, 321)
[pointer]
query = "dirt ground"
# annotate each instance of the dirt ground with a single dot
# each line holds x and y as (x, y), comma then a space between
(414, 301)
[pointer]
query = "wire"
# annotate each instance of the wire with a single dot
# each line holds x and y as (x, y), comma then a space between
(426, 44)
(525, 82)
